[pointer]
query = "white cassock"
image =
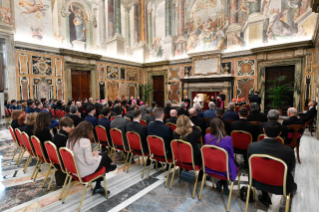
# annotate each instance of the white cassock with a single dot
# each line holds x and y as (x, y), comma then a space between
(197, 100)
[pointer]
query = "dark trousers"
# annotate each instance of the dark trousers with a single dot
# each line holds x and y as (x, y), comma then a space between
(105, 162)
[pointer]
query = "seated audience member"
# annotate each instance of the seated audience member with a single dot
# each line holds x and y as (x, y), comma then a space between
(66, 126)
(238, 102)
(120, 123)
(21, 120)
(88, 162)
(212, 99)
(244, 125)
(79, 105)
(270, 146)
(138, 100)
(230, 114)
(218, 137)
(182, 110)
(210, 113)
(42, 129)
(255, 115)
(242, 102)
(98, 104)
(30, 123)
(168, 108)
(7, 103)
(106, 123)
(187, 131)
(273, 115)
(84, 102)
(75, 115)
(90, 102)
(13, 105)
(68, 111)
(30, 108)
(311, 112)
(38, 107)
(129, 114)
(23, 106)
(125, 102)
(173, 117)
(19, 105)
(54, 123)
(90, 117)
(135, 126)
(198, 121)
(198, 110)
(15, 115)
(293, 119)
(54, 104)
(145, 115)
(220, 115)
(158, 128)
(154, 105)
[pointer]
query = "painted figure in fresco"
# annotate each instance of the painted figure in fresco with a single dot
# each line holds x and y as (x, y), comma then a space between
(304, 6)
(79, 23)
(237, 41)
(265, 7)
(157, 45)
(219, 39)
(32, 7)
(277, 25)
(301, 32)
(6, 15)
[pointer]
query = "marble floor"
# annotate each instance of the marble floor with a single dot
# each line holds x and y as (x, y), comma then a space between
(129, 192)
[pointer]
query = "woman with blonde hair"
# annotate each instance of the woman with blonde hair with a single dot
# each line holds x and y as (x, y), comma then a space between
(30, 122)
(187, 131)
(218, 137)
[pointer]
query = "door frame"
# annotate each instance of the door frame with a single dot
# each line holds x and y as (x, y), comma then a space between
(163, 73)
(68, 67)
(298, 88)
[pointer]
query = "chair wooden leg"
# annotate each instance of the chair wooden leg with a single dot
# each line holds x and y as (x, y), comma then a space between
(170, 187)
(15, 152)
(213, 182)
(52, 178)
(156, 165)
(20, 156)
(230, 193)
(238, 184)
(67, 190)
(144, 165)
(201, 188)
(84, 192)
(247, 198)
(35, 168)
(298, 154)
(310, 129)
(46, 176)
(195, 186)
(287, 203)
(27, 163)
(149, 169)
(168, 173)
(127, 156)
(63, 188)
(105, 187)
(39, 166)
(179, 171)
(129, 162)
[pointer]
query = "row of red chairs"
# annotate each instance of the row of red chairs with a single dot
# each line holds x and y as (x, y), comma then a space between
(58, 114)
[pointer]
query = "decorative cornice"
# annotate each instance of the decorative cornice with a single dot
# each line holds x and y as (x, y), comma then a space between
(122, 62)
(72, 53)
(35, 47)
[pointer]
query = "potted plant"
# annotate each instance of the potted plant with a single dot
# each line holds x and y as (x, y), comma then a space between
(147, 89)
(278, 93)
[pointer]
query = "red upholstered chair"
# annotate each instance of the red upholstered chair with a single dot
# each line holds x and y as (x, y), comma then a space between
(241, 139)
(172, 126)
(102, 136)
(101, 116)
(7, 112)
(23, 147)
(118, 143)
(14, 137)
(112, 118)
(294, 133)
(262, 136)
(237, 109)
(10, 112)
(29, 148)
(157, 152)
(268, 170)
(216, 158)
(63, 113)
(255, 122)
(136, 148)
(143, 122)
(58, 113)
(208, 130)
(183, 156)
(72, 172)
(40, 158)
(53, 113)
(55, 160)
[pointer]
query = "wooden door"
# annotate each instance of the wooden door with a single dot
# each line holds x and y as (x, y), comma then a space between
(274, 73)
(158, 93)
(80, 84)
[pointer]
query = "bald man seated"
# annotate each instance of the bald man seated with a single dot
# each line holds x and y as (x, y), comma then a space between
(173, 117)
(292, 120)
(198, 121)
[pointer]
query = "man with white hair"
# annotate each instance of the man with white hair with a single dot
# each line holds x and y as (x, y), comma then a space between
(311, 112)
(197, 99)
(182, 110)
(168, 107)
(79, 105)
(90, 103)
(198, 110)
(210, 113)
(173, 118)
(293, 119)
(230, 114)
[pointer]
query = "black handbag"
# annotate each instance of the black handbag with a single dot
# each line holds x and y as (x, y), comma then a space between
(185, 175)
(243, 194)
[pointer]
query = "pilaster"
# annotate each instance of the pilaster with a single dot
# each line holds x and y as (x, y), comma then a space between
(253, 29)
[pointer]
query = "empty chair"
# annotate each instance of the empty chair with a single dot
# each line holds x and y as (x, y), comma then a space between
(58, 113)
(171, 125)
(23, 147)
(183, 156)
(29, 148)
(14, 137)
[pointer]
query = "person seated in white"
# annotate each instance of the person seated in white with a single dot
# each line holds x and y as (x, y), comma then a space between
(197, 99)
(88, 162)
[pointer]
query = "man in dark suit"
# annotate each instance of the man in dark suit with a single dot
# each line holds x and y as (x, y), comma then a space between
(173, 118)
(38, 107)
(98, 104)
(13, 105)
(90, 118)
(255, 115)
(244, 125)
(182, 110)
(106, 123)
(273, 115)
(292, 120)
(255, 98)
(197, 121)
(129, 114)
(90, 103)
(230, 114)
(135, 126)
(120, 123)
(198, 110)
(158, 128)
(168, 107)
(210, 113)
(270, 146)
(219, 114)
(311, 112)
(75, 115)
(54, 104)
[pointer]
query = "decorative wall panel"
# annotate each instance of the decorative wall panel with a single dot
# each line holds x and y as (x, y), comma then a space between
(246, 68)
(23, 64)
(187, 71)
(173, 74)
(132, 89)
(113, 89)
(245, 86)
(113, 73)
(132, 75)
(174, 92)
(42, 88)
(140, 76)
(123, 90)
(309, 63)
(59, 89)
(24, 88)
(101, 71)
(307, 90)
(41, 65)
(58, 67)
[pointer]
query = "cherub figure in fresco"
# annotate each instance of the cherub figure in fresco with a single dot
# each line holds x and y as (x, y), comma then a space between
(6, 15)
(32, 7)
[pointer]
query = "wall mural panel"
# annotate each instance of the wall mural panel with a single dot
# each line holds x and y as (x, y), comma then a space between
(23, 64)
(42, 88)
(113, 73)
(24, 88)
(122, 73)
(245, 86)
(41, 65)
(132, 75)
(113, 89)
(123, 90)
(174, 73)
(174, 92)
(132, 90)
(58, 67)
(101, 71)
(59, 89)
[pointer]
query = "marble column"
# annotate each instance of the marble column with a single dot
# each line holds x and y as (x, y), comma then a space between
(136, 24)
(118, 26)
(254, 7)
(168, 21)
(154, 26)
(103, 22)
(67, 31)
(110, 24)
(149, 27)
(128, 26)
(181, 7)
(145, 21)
